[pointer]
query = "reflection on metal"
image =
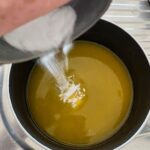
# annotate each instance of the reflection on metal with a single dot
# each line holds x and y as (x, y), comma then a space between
(134, 17)
(142, 142)
(15, 134)
(131, 15)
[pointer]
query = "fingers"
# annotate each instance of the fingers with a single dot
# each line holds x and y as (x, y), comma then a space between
(14, 13)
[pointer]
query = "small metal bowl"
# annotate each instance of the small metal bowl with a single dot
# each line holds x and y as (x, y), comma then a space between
(88, 13)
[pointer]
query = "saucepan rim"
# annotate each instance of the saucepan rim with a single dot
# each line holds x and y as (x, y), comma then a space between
(120, 146)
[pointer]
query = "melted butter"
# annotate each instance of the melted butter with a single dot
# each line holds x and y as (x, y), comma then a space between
(104, 108)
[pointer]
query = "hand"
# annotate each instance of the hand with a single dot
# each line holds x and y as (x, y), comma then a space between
(14, 13)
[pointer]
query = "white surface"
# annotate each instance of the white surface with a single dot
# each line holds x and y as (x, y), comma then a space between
(142, 142)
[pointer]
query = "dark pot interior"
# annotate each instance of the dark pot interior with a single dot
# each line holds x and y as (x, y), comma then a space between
(133, 57)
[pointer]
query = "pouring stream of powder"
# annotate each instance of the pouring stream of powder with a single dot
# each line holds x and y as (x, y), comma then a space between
(50, 32)
(56, 64)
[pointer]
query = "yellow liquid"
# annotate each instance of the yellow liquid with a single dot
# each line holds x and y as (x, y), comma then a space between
(105, 107)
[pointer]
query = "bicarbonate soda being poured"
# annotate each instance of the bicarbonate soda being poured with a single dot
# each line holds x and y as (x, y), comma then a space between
(50, 32)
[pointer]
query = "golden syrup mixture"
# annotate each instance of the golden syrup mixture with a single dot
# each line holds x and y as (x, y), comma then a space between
(101, 112)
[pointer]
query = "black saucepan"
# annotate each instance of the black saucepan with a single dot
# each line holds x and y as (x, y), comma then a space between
(123, 45)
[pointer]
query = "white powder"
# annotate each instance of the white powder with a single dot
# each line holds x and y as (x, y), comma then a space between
(70, 92)
(51, 32)
(45, 33)
(56, 66)
(74, 93)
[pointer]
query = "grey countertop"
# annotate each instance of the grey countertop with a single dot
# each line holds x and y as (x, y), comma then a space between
(134, 17)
